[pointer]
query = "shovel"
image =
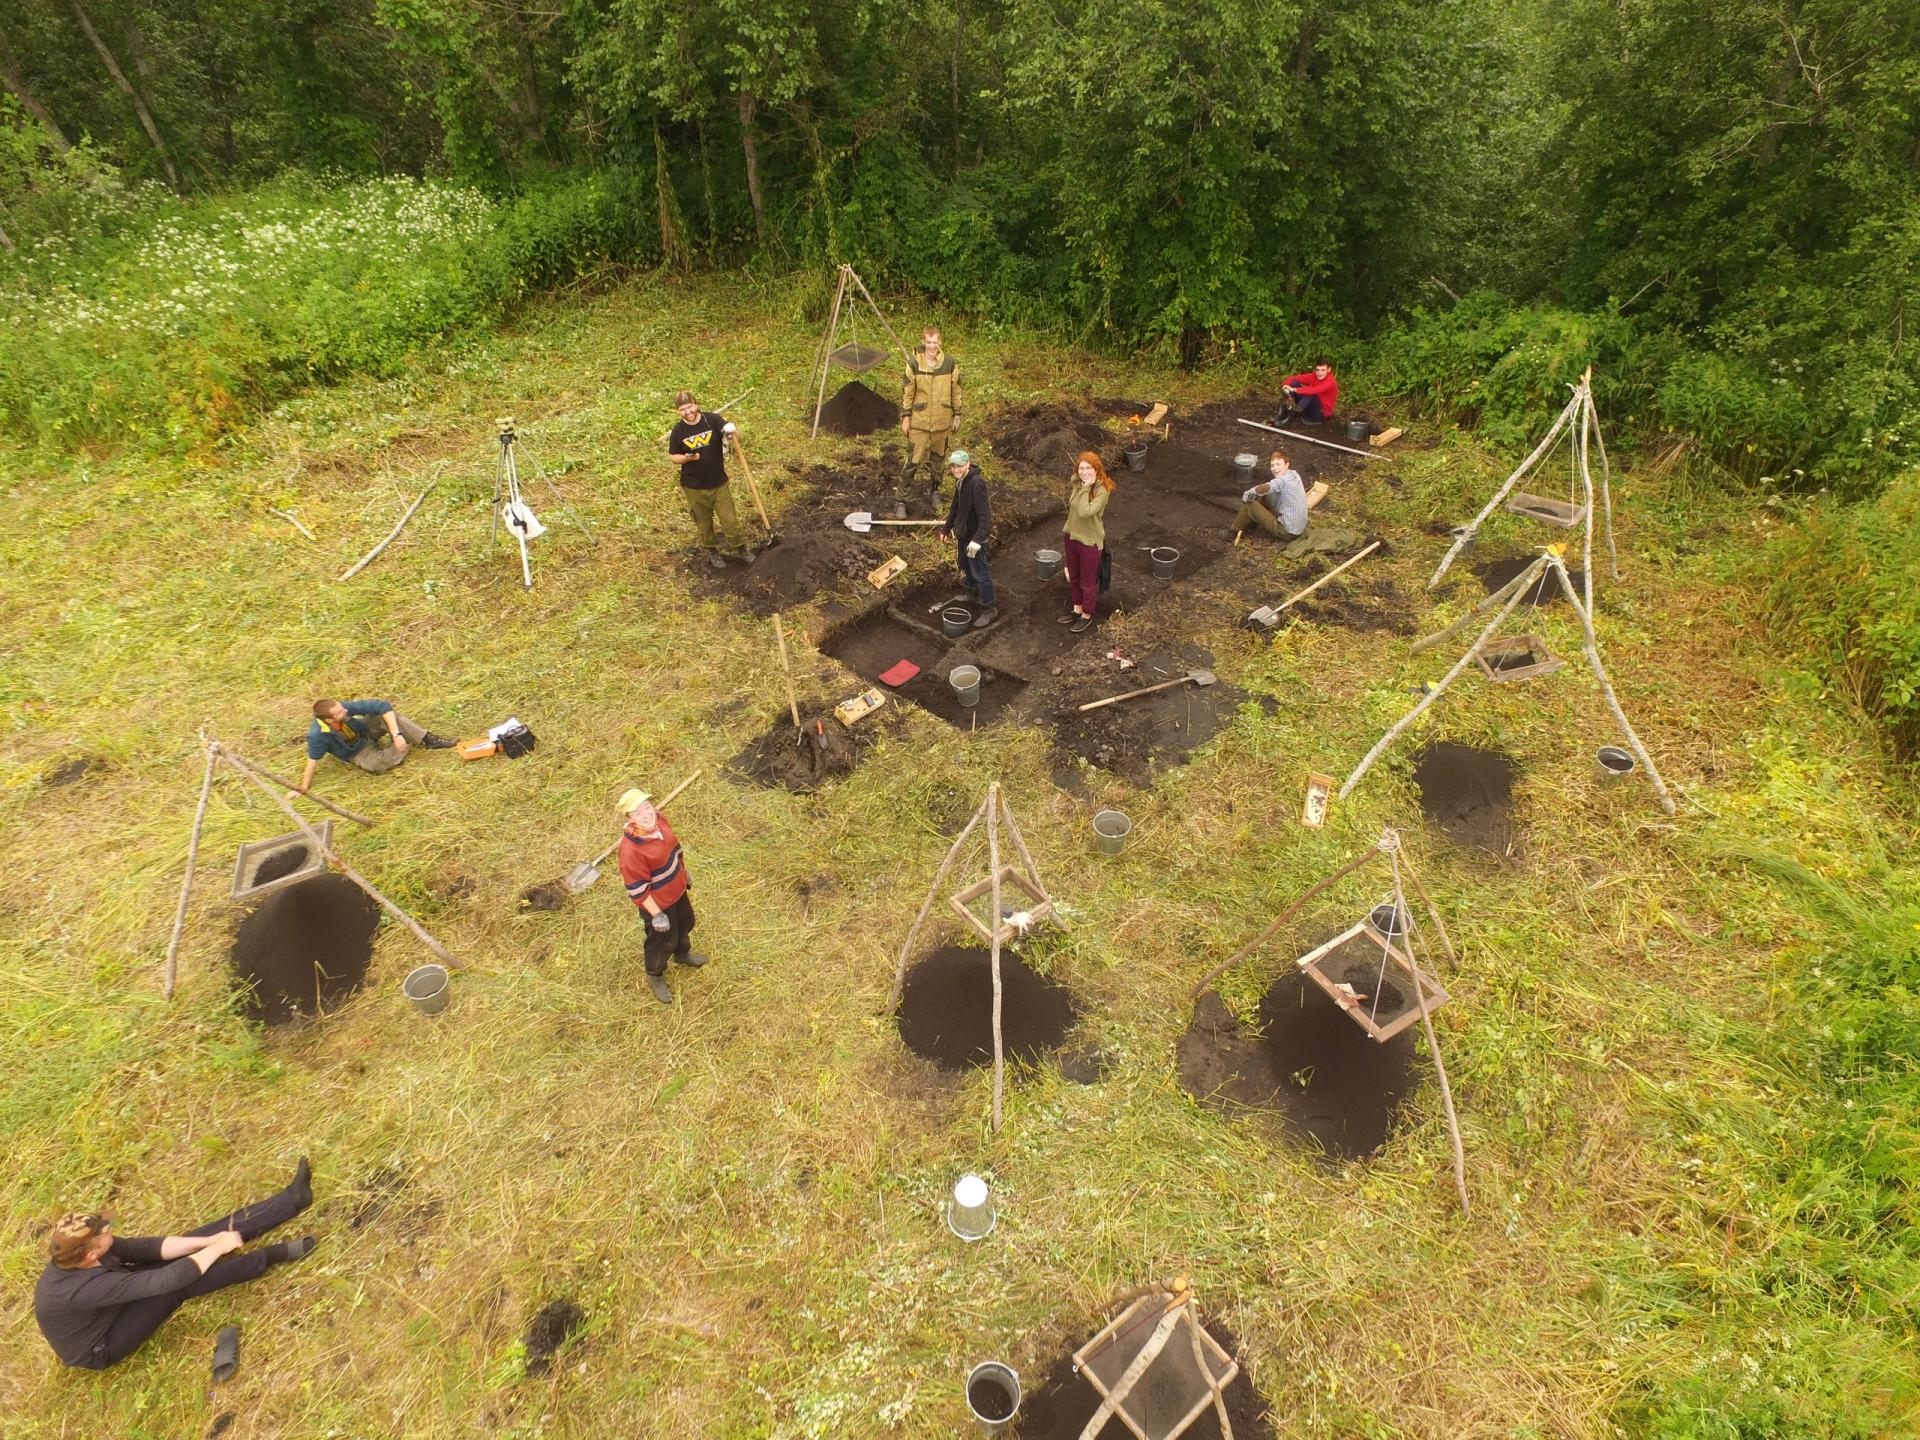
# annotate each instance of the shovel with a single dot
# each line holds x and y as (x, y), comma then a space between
(740, 454)
(861, 522)
(582, 876)
(1192, 677)
(1267, 615)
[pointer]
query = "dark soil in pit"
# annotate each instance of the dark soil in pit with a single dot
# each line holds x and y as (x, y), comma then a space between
(547, 895)
(1328, 1082)
(805, 565)
(1468, 793)
(1376, 607)
(1137, 738)
(550, 1329)
(72, 770)
(304, 948)
(1064, 1402)
(878, 641)
(1052, 437)
(1084, 1065)
(854, 409)
(825, 750)
(281, 863)
(1544, 591)
(946, 1009)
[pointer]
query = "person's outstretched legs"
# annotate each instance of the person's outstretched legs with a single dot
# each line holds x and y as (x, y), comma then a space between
(256, 1219)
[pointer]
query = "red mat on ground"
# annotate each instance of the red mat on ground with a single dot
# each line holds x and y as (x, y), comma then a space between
(899, 674)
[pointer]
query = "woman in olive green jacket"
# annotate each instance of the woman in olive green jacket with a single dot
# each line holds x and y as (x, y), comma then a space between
(1086, 537)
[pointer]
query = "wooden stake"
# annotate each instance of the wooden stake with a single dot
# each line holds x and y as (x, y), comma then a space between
(1527, 577)
(747, 470)
(906, 946)
(1579, 434)
(1284, 916)
(1426, 643)
(186, 885)
(826, 351)
(313, 839)
(1460, 540)
(1439, 1065)
(1297, 435)
(1592, 646)
(293, 520)
(1020, 845)
(1606, 483)
(994, 922)
(1433, 910)
(786, 671)
(368, 558)
(322, 801)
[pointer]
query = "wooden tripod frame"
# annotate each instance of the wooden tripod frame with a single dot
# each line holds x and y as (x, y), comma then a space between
(995, 811)
(848, 278)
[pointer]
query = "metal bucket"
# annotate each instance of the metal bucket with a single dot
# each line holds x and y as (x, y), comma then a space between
(970, 1213)
(1388, 920)
(426, 987)
(993, 1394)
(1110, 831)
(1357, 432)
(1244, 463)
(1164, 558)
(1468, 537)
(965, 680)
(1136, 459)
(1047, 562)
(955, 621)
(1612, 764)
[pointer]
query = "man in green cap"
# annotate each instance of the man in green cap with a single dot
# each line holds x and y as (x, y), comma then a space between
(929, 409)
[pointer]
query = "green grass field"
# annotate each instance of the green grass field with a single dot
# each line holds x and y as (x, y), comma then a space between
(1669, 1233)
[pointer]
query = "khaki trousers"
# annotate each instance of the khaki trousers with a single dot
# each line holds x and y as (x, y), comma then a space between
(710, 506)
(927, 452)
(1252, 512)
(380, 754)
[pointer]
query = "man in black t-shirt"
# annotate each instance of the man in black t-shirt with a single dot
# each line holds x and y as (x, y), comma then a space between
(697, 444)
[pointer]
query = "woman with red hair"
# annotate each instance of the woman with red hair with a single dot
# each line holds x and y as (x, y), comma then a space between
(1086, 538)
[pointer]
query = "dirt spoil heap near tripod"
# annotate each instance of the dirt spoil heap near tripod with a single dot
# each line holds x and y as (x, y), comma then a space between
(304, 949)
(856, 410)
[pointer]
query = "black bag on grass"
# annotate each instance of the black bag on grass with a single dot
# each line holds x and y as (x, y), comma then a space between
(515, 742)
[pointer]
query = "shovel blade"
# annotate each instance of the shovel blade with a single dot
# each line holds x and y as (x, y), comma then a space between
(1201, 677)
(579, 878)
(860, 522)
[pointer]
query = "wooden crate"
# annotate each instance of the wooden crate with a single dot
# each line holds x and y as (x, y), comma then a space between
(1546, 510)
(256, 853)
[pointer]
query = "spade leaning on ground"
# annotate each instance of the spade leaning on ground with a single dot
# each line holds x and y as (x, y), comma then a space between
(370, 734)
(655, 873)
(102, 1295)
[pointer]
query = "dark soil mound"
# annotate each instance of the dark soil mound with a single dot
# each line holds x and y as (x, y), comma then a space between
(1060, 1408)
(71, 771)
(547, 895)
(281, 863)
(825, 750)
(804, 566)
(856, 410)
(548, 1331)
(1544, 591)
(1468, 793)
(1084, 1065)
(304, 948)
(946, 1010)
(1051, 437)
(1327, 1080)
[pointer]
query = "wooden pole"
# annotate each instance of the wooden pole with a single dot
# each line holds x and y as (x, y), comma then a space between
(1606, 483)
(1020, 845)
(293, 520)
(1350, 560)
(324, 803)
(1460, 540)
(995, 924)
(186, 884)
(1206, 1370)
(786, 671)
(1284, 916)
(826, 352)
(1579, 433)
(1426, 643)
(1592, 645)
(1527, 577)
(1149, 1352)
(368, 558)
(905, 354)
(313, 839)
(906, 946)
(747, 470)
(1297, 435)
(1433, 910)
(1433, 1045)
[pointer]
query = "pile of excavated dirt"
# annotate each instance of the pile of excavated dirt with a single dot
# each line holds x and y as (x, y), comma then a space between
(1051, 438)
(1064, 1402)
(304, 948)
(1544, 591)
(550, 1329)
(1468, 793)
(946, 1009)
(856, 410)
(824, 750)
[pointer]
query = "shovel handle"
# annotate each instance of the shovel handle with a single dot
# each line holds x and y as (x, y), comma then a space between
(672, 795)
(747, 470)
(786, 670)
(1136, 694)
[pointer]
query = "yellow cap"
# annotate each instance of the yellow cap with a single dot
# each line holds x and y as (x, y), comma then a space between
(633, 800)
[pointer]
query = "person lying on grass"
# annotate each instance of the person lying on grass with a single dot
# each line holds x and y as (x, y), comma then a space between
(1310, 395)
(370, 734)
(102, 1295)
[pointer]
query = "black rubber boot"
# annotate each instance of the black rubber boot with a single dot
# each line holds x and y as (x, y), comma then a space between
(301, 1186)
(287, 1250)
(226, 1354)
(658, 985)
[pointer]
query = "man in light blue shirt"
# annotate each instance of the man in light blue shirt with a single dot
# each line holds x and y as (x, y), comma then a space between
(1278, 506)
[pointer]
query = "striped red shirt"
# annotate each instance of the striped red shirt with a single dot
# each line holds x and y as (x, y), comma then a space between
(651, 865)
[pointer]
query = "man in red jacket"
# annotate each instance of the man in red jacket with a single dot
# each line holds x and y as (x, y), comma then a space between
(1311, 394)
(655, 873)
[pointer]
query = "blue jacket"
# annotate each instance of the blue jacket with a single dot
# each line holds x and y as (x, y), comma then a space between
(362, 725)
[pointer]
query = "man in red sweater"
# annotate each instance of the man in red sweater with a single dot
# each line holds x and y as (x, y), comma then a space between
(655, 873)
(1311, 394)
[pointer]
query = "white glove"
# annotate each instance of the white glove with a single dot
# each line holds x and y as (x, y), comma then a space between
(729, 428)
(973, 548)
(1250, 496)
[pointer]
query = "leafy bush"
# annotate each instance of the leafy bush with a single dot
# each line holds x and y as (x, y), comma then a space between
(1845, 588)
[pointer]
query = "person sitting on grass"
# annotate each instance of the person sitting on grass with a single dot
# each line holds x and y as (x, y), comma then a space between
(1277, 505)
(102, 1295)
(370, 734)
(1310, 395)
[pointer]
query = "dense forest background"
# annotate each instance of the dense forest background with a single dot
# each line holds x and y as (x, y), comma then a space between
(1716, 202)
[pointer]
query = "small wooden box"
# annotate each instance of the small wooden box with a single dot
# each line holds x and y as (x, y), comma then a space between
(256, 853)
(859, 707)
(1546, 510)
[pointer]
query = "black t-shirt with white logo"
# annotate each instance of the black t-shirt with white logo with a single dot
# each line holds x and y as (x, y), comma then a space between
(703, 440)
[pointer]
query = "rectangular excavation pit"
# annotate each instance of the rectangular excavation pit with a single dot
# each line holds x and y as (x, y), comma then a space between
(1353, 958)
(879, 640)
(1519, 658)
